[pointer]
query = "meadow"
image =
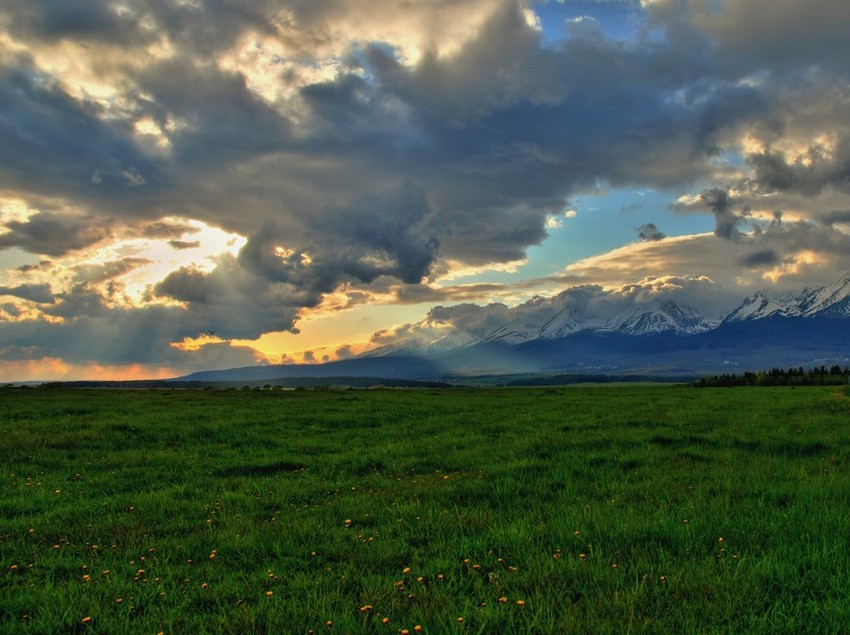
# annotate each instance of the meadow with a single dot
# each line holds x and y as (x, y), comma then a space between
(641, 509)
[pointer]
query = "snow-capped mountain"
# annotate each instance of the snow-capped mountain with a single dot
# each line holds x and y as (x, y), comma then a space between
(658, 317)
(757, 307)
(559, 317)
(645, 319)
(565, 322)
(832, 301)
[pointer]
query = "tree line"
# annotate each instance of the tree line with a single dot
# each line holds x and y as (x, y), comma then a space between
(820, 376)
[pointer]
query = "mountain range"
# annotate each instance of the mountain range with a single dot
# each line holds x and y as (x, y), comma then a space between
(807, 328)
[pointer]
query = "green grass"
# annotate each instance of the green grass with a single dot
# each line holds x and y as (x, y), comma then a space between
(605, 510)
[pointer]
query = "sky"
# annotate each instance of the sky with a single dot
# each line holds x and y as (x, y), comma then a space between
(198, 184)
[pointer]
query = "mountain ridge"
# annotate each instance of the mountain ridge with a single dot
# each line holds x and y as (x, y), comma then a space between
(808, 327)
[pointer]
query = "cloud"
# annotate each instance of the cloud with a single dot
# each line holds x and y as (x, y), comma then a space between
(760, 259)
(649, 232)
(91, 331)
(184, 244)
(231, 301)
(102, 272)
(54, 142)
(40, 293)
(808, 173)
(378, 235)
(759, 31)
(366, 147)
(54, 233)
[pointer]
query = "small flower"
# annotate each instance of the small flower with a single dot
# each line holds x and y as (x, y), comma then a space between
(269, 594)
(406, 570)
(520, 602)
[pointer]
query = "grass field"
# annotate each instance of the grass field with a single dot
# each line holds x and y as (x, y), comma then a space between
(552, 510)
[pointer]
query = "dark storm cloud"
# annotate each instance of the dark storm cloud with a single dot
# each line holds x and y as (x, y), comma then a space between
(232, 302)
(104, 271)
(118, 336)
(344, 352)
(200, 28)
(71, 19)
(380, 235)
(649, 232)
(96, 331)
(808, 174)
(778, 34)
(496, 135)
(183, 244)
(765, 258)
(836, 216)
(225, 121)
(40, 293)
(53, 233)
(53, 144)
(168, 229)
(721, 204)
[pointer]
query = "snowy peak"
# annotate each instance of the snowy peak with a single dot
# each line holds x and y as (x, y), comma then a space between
(756, 308)
(558, 318)
(565, 322)
(509, 333)
(662, 317)
(832, 301)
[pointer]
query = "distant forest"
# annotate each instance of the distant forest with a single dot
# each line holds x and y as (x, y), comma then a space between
(821, 376)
